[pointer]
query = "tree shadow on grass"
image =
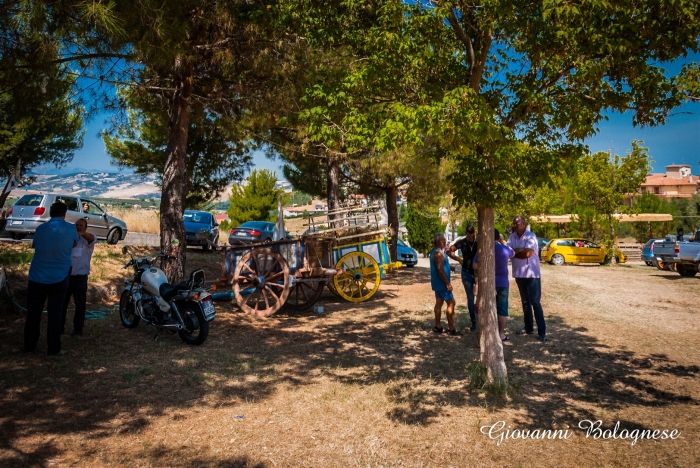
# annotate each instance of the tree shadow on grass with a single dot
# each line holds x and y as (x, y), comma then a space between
(114, 381)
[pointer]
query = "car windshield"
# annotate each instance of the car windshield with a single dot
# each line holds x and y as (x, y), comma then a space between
(203, 218)
(650, 241)
(30, 200)
(401, 243)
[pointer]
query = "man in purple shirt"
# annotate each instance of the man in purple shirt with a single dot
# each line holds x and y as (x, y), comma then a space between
(526, 271)
(503, 254)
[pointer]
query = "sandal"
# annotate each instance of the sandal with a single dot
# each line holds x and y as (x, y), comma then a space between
(439, 330)
(507, 338)
(454, 332)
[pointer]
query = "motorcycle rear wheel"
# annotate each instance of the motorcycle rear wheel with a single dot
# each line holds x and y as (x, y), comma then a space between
(127, 310)
(197, 327)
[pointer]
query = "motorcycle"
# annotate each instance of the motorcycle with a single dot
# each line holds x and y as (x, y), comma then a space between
(185, 308)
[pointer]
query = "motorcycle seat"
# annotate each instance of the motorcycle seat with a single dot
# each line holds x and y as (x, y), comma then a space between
(168, 291)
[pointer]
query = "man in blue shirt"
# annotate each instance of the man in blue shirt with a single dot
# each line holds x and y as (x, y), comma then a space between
(440, 283)
(48, 278)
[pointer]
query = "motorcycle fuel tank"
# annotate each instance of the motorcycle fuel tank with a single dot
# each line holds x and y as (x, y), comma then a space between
(152, 279)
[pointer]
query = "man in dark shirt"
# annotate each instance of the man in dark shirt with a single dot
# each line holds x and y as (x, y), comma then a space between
(468, 248)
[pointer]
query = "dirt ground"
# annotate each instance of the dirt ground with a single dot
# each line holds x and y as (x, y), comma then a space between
(363, 384)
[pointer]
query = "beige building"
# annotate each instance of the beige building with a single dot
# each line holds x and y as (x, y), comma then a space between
(678, 182)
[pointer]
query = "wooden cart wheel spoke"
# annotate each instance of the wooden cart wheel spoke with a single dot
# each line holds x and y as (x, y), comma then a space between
(252, 272)
(362, 279)
(245, 265)
(272, 293)
(264, 295)
(273, 278)
(272, 268)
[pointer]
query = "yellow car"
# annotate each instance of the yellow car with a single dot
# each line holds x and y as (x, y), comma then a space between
(561, 251)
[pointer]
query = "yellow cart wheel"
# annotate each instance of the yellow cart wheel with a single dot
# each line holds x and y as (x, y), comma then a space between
(360, 278)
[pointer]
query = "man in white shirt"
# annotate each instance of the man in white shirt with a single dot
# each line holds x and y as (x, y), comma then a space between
(78, 277)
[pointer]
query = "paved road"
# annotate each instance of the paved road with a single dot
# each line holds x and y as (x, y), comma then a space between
(132, 238)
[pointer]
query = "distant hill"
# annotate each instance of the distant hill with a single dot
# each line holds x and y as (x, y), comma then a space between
(107, 185)
(95, 184)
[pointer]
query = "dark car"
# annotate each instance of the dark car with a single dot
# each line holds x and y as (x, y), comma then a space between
(648, 251)
(542, 243)
(200, 229)
(406, 254)
(252, 232)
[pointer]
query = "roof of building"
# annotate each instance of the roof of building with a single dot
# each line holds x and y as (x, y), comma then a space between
(663, 179)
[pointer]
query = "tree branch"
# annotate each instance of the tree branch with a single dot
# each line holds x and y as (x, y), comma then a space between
(462, 36)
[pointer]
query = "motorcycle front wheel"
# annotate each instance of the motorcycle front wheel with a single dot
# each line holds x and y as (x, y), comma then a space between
(127, 310)
(197, 328)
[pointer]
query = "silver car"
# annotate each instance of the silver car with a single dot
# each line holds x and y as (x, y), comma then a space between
(32, 210)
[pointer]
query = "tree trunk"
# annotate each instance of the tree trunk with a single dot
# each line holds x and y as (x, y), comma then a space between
(333, 187)
(491, 345)
(172, 206)
(393, 214)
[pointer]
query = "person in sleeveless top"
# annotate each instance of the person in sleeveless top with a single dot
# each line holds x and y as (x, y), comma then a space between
(440, 283)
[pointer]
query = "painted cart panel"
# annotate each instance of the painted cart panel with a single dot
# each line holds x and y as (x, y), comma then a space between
(376, 248)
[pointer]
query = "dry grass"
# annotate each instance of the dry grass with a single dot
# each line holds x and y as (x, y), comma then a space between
(363, 384)
(147, 221)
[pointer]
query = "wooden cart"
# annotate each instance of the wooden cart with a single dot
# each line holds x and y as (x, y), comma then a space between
(351, 260)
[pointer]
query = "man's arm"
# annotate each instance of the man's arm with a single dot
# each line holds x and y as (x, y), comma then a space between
(451, 253)
(523, 252)
(88, 237)
(439, 264)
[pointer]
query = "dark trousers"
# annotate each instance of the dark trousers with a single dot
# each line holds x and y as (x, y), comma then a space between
(37, 294)
(530, 292)
(468, 281)
(77, 287)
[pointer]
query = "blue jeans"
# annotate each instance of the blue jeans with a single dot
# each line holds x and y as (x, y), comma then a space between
(468, 281)
(502, 301)
(530, 293)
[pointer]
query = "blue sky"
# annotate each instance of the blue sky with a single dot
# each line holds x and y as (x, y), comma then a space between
(678, 141)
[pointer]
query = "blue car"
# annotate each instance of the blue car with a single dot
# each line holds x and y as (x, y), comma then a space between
(406, 254)
(648, 251)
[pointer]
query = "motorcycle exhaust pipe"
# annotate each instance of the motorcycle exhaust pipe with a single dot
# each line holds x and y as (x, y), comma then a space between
(136, 296)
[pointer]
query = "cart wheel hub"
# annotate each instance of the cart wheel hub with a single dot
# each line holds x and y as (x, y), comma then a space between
(259, 282)
(357, 276)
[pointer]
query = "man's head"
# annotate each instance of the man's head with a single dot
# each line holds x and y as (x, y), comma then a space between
(496, 235)
(471, 233)
(439, 241)
(519, 225)
(86, 207)
(81, 225)
(58, 210)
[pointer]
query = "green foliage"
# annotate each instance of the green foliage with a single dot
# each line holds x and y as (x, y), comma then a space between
(650, 203)
(255, 200)
(40, 118)
(299, 199)
(17, 258)
(422, 229)
(217, 153)
(601, 183)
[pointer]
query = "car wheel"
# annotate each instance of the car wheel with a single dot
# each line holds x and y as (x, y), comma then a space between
(19, 235)
(649, 263)
(267, 241)
(557, 259)
(687, 272)
(410, 265)
(206, 247)
(114, 236)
